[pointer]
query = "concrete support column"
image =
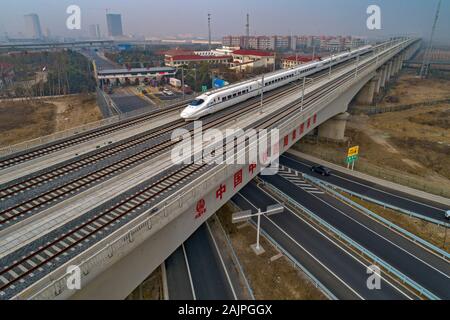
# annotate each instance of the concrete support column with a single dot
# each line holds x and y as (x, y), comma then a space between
(379, 80)
(389, 71)
(366, 95)
(334, 128)
(383, 76)
(395, 66)
(402, 58)
(399, 63)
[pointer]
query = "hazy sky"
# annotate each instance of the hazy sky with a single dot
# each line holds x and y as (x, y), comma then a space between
(173, 17)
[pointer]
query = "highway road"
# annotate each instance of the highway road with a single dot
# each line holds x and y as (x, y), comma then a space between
(178, 278)
(425, 268)
(100, 62)
(127, 102)
(197, 269)
(381, 193)
(340, 270)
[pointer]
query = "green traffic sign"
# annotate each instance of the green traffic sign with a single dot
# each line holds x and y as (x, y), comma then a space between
(204, 88)
(351, 159)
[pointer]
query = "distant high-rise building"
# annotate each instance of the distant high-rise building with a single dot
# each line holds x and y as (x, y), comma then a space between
(94, 31)
(114, 22)
(33, 26)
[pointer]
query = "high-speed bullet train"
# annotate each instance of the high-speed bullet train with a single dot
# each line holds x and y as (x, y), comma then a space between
(219, 99)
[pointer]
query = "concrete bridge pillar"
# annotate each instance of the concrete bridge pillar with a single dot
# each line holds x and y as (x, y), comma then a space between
(395, 66)
(389, 71)
(383, 76)
(334, 128)
(399, 63)
(378, 86)
(366, 94)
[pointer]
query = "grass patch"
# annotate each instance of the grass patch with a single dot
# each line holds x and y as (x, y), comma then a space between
(277, 280)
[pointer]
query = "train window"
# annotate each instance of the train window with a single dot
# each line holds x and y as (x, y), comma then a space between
(197, 102)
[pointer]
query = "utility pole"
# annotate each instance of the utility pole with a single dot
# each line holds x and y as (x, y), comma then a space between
(209, 31)
(427, 56)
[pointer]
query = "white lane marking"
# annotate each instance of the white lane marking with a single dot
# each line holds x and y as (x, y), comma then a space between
(379, 235)
(221, 260)
(337, 245)
(189, 272)
(370, 187)
(309, 253)
(294, 177)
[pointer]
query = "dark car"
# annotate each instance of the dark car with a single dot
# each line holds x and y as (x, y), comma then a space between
(321, 170)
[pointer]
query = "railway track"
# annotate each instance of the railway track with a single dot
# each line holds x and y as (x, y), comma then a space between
(28, 264)
(40, 151)
(24, 209)
(47, 254)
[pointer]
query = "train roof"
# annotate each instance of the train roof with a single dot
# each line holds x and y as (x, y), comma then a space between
(278, 72)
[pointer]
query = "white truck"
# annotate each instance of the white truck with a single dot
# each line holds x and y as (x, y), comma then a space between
(174, 82)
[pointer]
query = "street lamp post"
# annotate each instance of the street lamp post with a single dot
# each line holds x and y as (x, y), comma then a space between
(357, 65)
(245, 216)
(262, 93)
(303, 93)
(182, 81)
(331, 62)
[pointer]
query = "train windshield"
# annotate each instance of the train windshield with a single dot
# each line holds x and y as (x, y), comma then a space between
(196, 102)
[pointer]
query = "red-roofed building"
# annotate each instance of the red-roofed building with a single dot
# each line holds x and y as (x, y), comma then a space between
(179, 60)
(249, 59)
(293, 61)
(252, 53)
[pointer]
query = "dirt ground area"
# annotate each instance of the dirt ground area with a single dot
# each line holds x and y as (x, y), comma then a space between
(415, 140)
(403, 146)
(269, 280)
(150, 289)
(411, 89)
(26, 120)
(430, 232)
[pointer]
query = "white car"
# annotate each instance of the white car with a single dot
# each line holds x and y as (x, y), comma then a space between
(447, 214)
(168, 92)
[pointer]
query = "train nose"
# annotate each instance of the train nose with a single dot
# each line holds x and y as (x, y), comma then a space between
(185, 114)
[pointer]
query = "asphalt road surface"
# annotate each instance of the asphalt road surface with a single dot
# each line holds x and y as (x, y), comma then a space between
(425, 268)
(198, 260)
(393, 197)
(339, 269)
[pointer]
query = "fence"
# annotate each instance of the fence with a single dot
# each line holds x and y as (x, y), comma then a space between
(371, 110)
